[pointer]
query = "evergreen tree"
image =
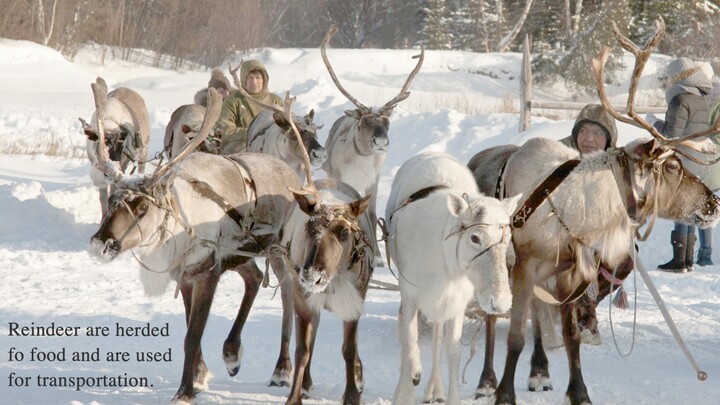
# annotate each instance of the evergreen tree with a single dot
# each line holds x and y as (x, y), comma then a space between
(435, 26)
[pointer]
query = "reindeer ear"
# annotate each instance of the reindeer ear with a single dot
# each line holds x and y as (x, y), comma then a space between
(511, 203)
(281, 121)
(311, 114)
(306, 201)
(643, 150)
(456, 204)
(357, 207)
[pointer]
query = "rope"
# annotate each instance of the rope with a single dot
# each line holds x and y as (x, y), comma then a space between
(473, 345)
(634, 328)
(701, 375)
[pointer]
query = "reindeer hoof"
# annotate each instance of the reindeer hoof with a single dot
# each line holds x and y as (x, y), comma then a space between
(232, 356)
(539, 383)
(484, 392)
(184, 396)
(274, 383)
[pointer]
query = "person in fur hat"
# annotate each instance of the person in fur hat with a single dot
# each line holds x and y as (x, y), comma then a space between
(688, 112)
(237, 112)
(219, 82)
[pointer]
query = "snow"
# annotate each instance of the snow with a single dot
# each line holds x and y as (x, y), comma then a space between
(49, 210)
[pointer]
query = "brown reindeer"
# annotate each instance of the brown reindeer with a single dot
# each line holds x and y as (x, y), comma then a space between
(566, 226)
(190, 221)
(332, 256)
(358, 141)
(326, 235)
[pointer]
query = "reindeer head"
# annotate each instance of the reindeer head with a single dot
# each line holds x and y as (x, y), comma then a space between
(663, 184)
(308, 135)
(372, 123)
(660, 182)
(334, 240)
(133, 219)
(478, 242)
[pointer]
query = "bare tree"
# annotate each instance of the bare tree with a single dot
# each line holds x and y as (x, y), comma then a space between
(45, 30)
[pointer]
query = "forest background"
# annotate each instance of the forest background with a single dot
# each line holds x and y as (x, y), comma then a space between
(564, 34)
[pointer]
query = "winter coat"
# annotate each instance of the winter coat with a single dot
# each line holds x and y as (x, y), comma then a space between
(688, 114)
(711, 178)
(595, 114)
(237, 112)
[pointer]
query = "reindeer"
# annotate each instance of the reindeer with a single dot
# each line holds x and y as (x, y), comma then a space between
(449, 243)
(194, 218)
(565, 226)
(269, 132)
(127, 127)
(358, 141)
(184, 125)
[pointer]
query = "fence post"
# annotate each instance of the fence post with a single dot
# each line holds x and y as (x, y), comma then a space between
(525, 87)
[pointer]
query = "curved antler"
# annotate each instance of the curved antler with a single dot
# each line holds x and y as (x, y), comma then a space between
(286, 112)
(323, 52)
(211, 116)
(403, 92)
(104, 164)
(641, 57)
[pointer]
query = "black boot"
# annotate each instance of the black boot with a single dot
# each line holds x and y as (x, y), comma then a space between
(677, 264)
(690, 252)
(705, 257)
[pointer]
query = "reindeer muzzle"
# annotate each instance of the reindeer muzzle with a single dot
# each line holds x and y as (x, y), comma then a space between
(104, 250)
(313, 280)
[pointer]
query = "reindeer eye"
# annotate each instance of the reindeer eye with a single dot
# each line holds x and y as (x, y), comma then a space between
(672, 166)
(344, 233)
(475, 239)
(143, 208)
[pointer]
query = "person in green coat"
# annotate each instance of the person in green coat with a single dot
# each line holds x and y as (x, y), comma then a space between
(238, 112)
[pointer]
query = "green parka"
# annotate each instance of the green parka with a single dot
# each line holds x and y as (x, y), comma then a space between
(237, 112)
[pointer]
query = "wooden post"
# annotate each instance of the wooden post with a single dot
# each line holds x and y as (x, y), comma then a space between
(525, 87)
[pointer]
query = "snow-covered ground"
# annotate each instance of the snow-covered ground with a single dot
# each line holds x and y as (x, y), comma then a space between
(49, 209)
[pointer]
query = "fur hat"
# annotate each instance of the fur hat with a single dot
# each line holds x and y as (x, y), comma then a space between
(685, 72)
(219, 81)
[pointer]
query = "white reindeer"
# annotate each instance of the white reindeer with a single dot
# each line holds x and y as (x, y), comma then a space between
(126, 137)
(269, 132)
(449, 243)
(358, 141)
(194, 218)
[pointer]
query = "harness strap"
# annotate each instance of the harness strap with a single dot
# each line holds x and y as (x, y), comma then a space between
(207, 191)
(624, 183)
(541, 192)
(500, 185)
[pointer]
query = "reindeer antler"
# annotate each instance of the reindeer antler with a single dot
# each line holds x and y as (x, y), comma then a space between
(323, 52)
(390, 104)
(403, 92)
(211, 116)
(105, 165)
(641, 57)
(286, 112)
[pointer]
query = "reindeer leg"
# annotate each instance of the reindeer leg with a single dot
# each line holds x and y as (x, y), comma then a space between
(305, 322)
(232, 348)
(539, 379)
(199, 367)
(488, 381)
(577, 391)
(351, 396)
(522, 287)
(307, 382)
(410, 367)
(435, 391)
(453, 331)
(203, 290)
(283, 367)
